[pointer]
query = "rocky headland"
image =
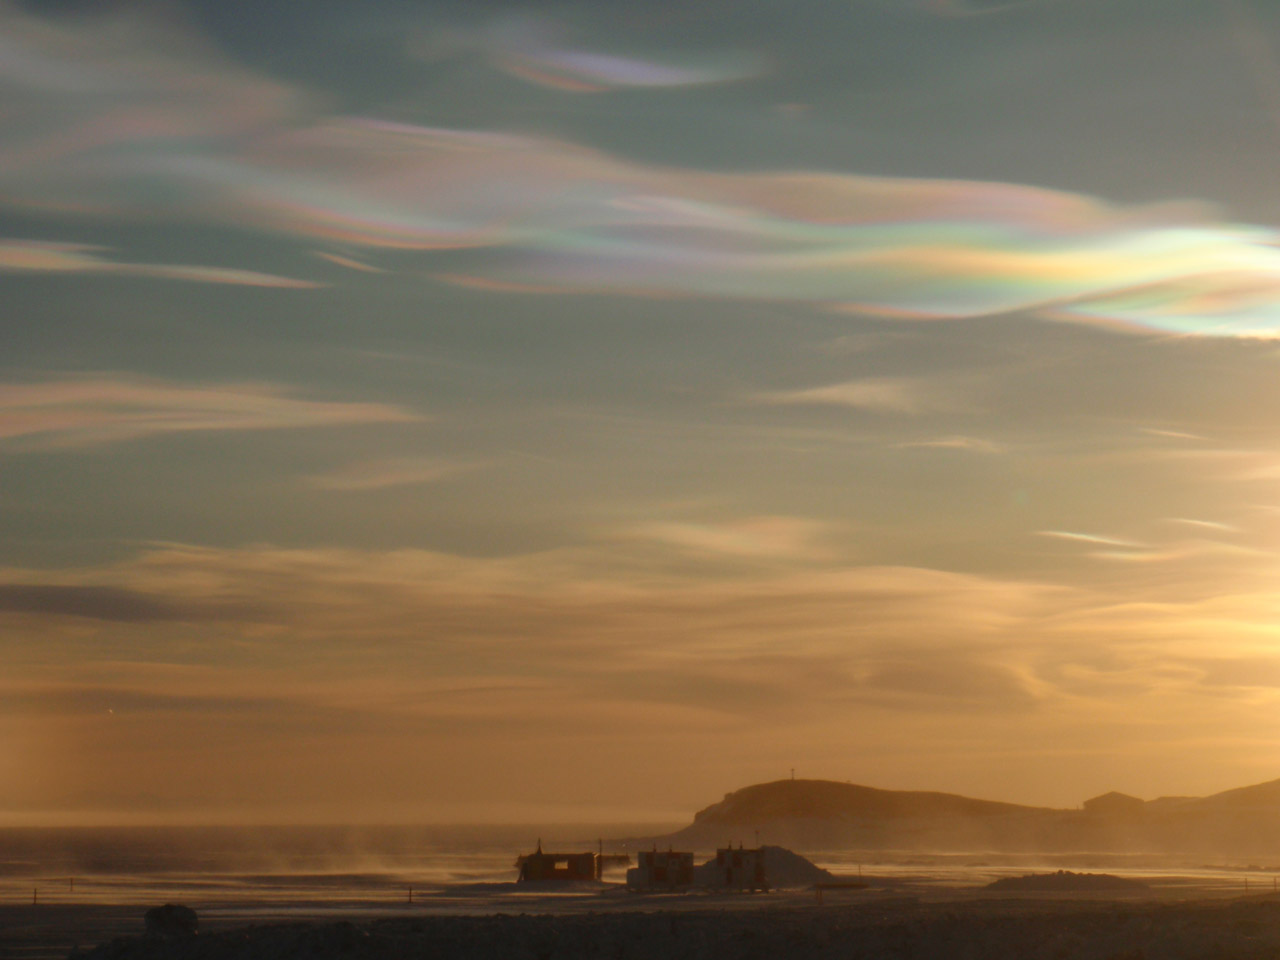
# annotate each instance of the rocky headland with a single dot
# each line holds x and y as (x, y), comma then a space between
(812, 815)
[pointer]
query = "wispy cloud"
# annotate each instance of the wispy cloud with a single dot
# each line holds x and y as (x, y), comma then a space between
(411, 650)
(1092, 538)
(37, 256)
(1118, 550)
(762, 537)
(88, 410)
(1180, 551)
(393, 472)
(972, 444)
(1232, 464)
(561, 599)
(534, 50)
(1203, 524)
(114, 604)
(351, 263)
(123, 121)
(1171, 434)
(876, 394)
(546, 612)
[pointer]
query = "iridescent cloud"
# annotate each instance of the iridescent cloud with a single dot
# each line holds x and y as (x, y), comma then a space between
(115, 125)
(531, 50)
(37, 256)
(82, 411)
(349, 262)
(546, 214)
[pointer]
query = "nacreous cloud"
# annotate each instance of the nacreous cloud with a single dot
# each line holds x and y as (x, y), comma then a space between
(83, 411)
(35, 256)
(531, 50)
(879, 394)
(111, 120)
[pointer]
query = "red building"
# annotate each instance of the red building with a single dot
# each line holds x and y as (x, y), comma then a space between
(661, 870)
(741, 869)
(539, 867)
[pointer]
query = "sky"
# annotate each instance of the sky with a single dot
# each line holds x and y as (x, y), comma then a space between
(497, 411)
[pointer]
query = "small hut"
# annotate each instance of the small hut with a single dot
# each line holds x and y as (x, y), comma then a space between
(539, 867)
(740, 869)
(661, 870)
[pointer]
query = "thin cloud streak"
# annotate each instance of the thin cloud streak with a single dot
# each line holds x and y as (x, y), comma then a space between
(1171, 434)
(875, 394)
(532, 50)
(1089, 538)
(349, 262)
(1181, 552)
(34, 256)
(972, 444)
(91, 410)
(766, 537)
(1204, 524)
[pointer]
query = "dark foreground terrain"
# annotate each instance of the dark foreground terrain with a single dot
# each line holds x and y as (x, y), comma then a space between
(906, 929)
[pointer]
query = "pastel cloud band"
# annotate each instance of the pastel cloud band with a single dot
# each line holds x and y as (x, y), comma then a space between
(136, 128)
(35, 256)
(531, 50)
(89, 410)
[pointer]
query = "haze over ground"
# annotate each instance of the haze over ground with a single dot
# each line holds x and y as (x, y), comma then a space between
(507, 411)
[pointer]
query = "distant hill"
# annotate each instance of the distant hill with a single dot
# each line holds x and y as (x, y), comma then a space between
(826, 799)
(826, 815)
(1259, 795)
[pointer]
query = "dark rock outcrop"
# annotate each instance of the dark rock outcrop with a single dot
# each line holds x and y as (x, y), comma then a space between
(1066, 881)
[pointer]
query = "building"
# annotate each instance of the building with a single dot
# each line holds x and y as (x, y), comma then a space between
(539, 867)
(661, 870)
(740, 869)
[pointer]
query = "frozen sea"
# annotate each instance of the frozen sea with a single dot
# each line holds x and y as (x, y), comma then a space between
(369, 867)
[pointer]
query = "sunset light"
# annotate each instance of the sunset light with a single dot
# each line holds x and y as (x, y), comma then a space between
(463, 415)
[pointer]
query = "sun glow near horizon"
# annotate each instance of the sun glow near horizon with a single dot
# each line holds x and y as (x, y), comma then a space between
(421, 414)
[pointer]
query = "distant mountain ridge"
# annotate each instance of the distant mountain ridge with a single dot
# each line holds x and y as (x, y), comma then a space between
(825, 814)
(830, 799)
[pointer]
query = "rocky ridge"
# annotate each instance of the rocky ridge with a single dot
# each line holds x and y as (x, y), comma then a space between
(825, 815)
